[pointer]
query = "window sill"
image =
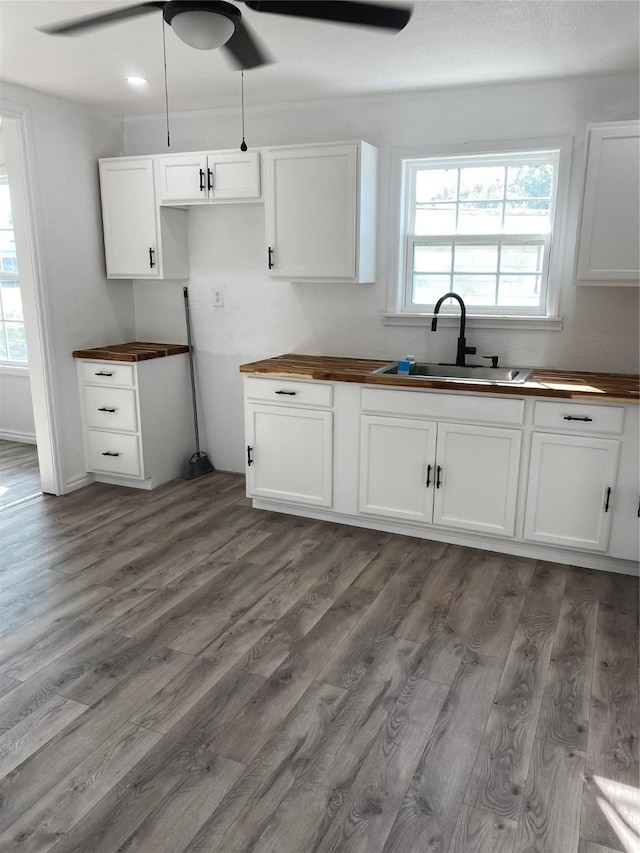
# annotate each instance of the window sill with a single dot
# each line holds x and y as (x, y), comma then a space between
(14, 369)
(478, 321)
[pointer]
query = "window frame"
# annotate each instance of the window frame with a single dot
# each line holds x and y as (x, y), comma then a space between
(400, 310)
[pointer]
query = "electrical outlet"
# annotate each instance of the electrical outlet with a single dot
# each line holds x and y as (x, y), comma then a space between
(218, 297)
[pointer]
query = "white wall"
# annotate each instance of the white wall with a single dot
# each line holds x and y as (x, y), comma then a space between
(81, 308)
(16, 411)
(262, 317)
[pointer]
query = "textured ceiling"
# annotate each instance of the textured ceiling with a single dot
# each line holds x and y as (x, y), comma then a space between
(447, 43)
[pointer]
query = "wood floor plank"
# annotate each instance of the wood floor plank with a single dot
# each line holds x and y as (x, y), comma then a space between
(482, 832)
(592, 847)
(429, 811)
(550, 817)
(612, 762)
(494, 632)
(25, 738)
(502, 766)
(40, 828)
(242, 738)
(564, 715)
(368, 810)
(29, 782)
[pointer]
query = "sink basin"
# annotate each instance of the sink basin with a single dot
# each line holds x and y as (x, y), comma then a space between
(479, 373)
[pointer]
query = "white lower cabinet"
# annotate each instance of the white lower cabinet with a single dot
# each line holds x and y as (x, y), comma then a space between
(455, 475)
(289, 454)
(137, 418)
(570, 494)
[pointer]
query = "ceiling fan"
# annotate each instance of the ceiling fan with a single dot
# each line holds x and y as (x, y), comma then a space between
(208, 24)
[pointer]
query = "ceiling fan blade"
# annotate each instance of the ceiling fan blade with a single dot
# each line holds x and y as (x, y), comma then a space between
(88, 22)
(365, 14)
(244, 48)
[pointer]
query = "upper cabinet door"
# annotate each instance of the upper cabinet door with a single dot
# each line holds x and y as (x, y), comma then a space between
(609, 247)
(233, 174)
(320, 212)
(208, 177)
(129, 218)
(183, 177)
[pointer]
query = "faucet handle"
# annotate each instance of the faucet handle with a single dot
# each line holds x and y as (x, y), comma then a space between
(494, 359)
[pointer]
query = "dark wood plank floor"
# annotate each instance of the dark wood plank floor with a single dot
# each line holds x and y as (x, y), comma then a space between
(19, 472)
(181, 672)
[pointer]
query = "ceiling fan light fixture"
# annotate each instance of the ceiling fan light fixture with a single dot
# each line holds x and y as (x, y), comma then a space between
(202, 28)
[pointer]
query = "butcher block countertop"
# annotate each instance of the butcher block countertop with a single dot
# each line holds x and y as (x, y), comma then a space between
(131, 351)
(567, 384)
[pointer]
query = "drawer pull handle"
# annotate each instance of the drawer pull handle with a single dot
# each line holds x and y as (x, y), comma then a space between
(576, 418)
(103, 373)
(270, 257)
(209, 180)
(201, 180)
(110, 453)
(105, 409)
(249, 456)
(606, 504)
(438, 476)
(288, 393)
(428, 476)
(152, 263)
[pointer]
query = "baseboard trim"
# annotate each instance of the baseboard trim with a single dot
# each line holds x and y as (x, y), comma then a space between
(18, 437)
(79, 483)
(599, 562)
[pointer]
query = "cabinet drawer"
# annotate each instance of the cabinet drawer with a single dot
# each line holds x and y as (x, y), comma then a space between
(575, 417)
(110, 408)
(499, 410)
(289, 392)
(107, 373)
(114, 453)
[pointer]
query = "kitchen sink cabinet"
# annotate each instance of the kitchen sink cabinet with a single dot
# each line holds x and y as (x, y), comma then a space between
(454, 475)
(137, 419)
(609, 252)
(205, 177)
(320, 210)
(141, 240)
(289, 437)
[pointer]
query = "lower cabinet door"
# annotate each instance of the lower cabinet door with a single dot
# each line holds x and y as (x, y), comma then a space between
(397, 467)
(477, 478)
(570, 492)
(290, 454)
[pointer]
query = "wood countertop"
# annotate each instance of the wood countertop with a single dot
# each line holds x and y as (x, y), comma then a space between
(131, 351)
(567, 384)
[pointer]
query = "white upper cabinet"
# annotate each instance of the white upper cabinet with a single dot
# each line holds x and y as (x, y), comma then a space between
(208, 176)
(140, 240)
(320, 209)
(609, 251)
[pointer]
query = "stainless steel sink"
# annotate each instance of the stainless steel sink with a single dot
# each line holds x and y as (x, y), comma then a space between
(479, 373)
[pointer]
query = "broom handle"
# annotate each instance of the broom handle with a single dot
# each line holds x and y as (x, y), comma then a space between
(193, 379)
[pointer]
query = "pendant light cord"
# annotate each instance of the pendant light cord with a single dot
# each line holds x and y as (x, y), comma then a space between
(166, 88)
(243, 146)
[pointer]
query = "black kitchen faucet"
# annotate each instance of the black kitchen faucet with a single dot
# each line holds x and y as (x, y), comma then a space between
(463, 349)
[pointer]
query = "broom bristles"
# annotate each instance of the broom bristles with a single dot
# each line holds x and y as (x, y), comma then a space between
(198, 466)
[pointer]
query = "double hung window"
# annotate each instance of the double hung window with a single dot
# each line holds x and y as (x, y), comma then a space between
(13, 347)
(481, 226)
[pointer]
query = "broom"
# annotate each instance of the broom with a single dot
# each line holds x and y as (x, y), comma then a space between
(199, 464)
